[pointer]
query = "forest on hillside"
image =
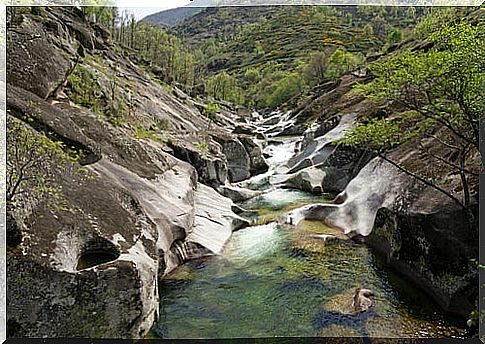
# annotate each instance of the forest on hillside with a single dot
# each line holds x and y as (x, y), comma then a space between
(267, 57)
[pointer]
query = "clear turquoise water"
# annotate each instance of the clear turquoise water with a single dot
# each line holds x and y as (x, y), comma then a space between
(276, 280)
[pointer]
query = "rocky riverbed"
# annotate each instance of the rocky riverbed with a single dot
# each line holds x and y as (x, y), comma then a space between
(105, 255)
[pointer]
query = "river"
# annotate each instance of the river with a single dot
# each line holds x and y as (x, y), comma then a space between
(274, 279)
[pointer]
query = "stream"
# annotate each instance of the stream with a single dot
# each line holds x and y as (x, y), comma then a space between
(277, 280)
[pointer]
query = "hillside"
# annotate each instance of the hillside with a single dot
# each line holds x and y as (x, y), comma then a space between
(172, 17)
(260, 48)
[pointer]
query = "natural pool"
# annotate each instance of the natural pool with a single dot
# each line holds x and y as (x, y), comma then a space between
(278, 280)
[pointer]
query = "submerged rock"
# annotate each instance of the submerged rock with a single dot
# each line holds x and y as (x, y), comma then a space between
(362, 300)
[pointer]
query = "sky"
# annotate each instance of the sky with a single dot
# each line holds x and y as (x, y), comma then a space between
(146, 7)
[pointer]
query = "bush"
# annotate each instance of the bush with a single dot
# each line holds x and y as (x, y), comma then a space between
(210, 110)
(34, 161)
(341, 62)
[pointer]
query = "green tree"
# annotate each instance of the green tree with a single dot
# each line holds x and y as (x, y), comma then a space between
(33, 163)
(316, 67)
(100, 11)
(223, 86)
(341, 62)
(285, 89)
(441, 87)
(394, 36)
(368, 30)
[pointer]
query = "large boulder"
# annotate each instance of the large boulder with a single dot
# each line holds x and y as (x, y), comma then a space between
(309, 179)
(238, 159)
(214, 219)
(257, 162)
(421, 232)
(81, 263)
(124, 221)
(211, 166)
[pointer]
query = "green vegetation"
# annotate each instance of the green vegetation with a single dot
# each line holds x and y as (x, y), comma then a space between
(202, 145)
(211, 110)
(275, 55)
(34, 162)
(341, 62)
(171, 60)
(141, 132)
(84, 90)
(84, 85)
(441, 87)
(224, 86)
(264, 57)
(102, 12)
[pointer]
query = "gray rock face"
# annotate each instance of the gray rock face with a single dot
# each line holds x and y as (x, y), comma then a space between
(238, 159)
(257, 163)
(84, 264)
(222, 158)
(89, 267)
(356, 207)
(214, 219)
(211, 168)
(319, 149)
(411, 225)
(36, 64)
(125, 226)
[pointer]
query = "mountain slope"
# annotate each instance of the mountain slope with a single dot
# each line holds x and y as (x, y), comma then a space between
(175, 16)
(172, 17)
(263, 49)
